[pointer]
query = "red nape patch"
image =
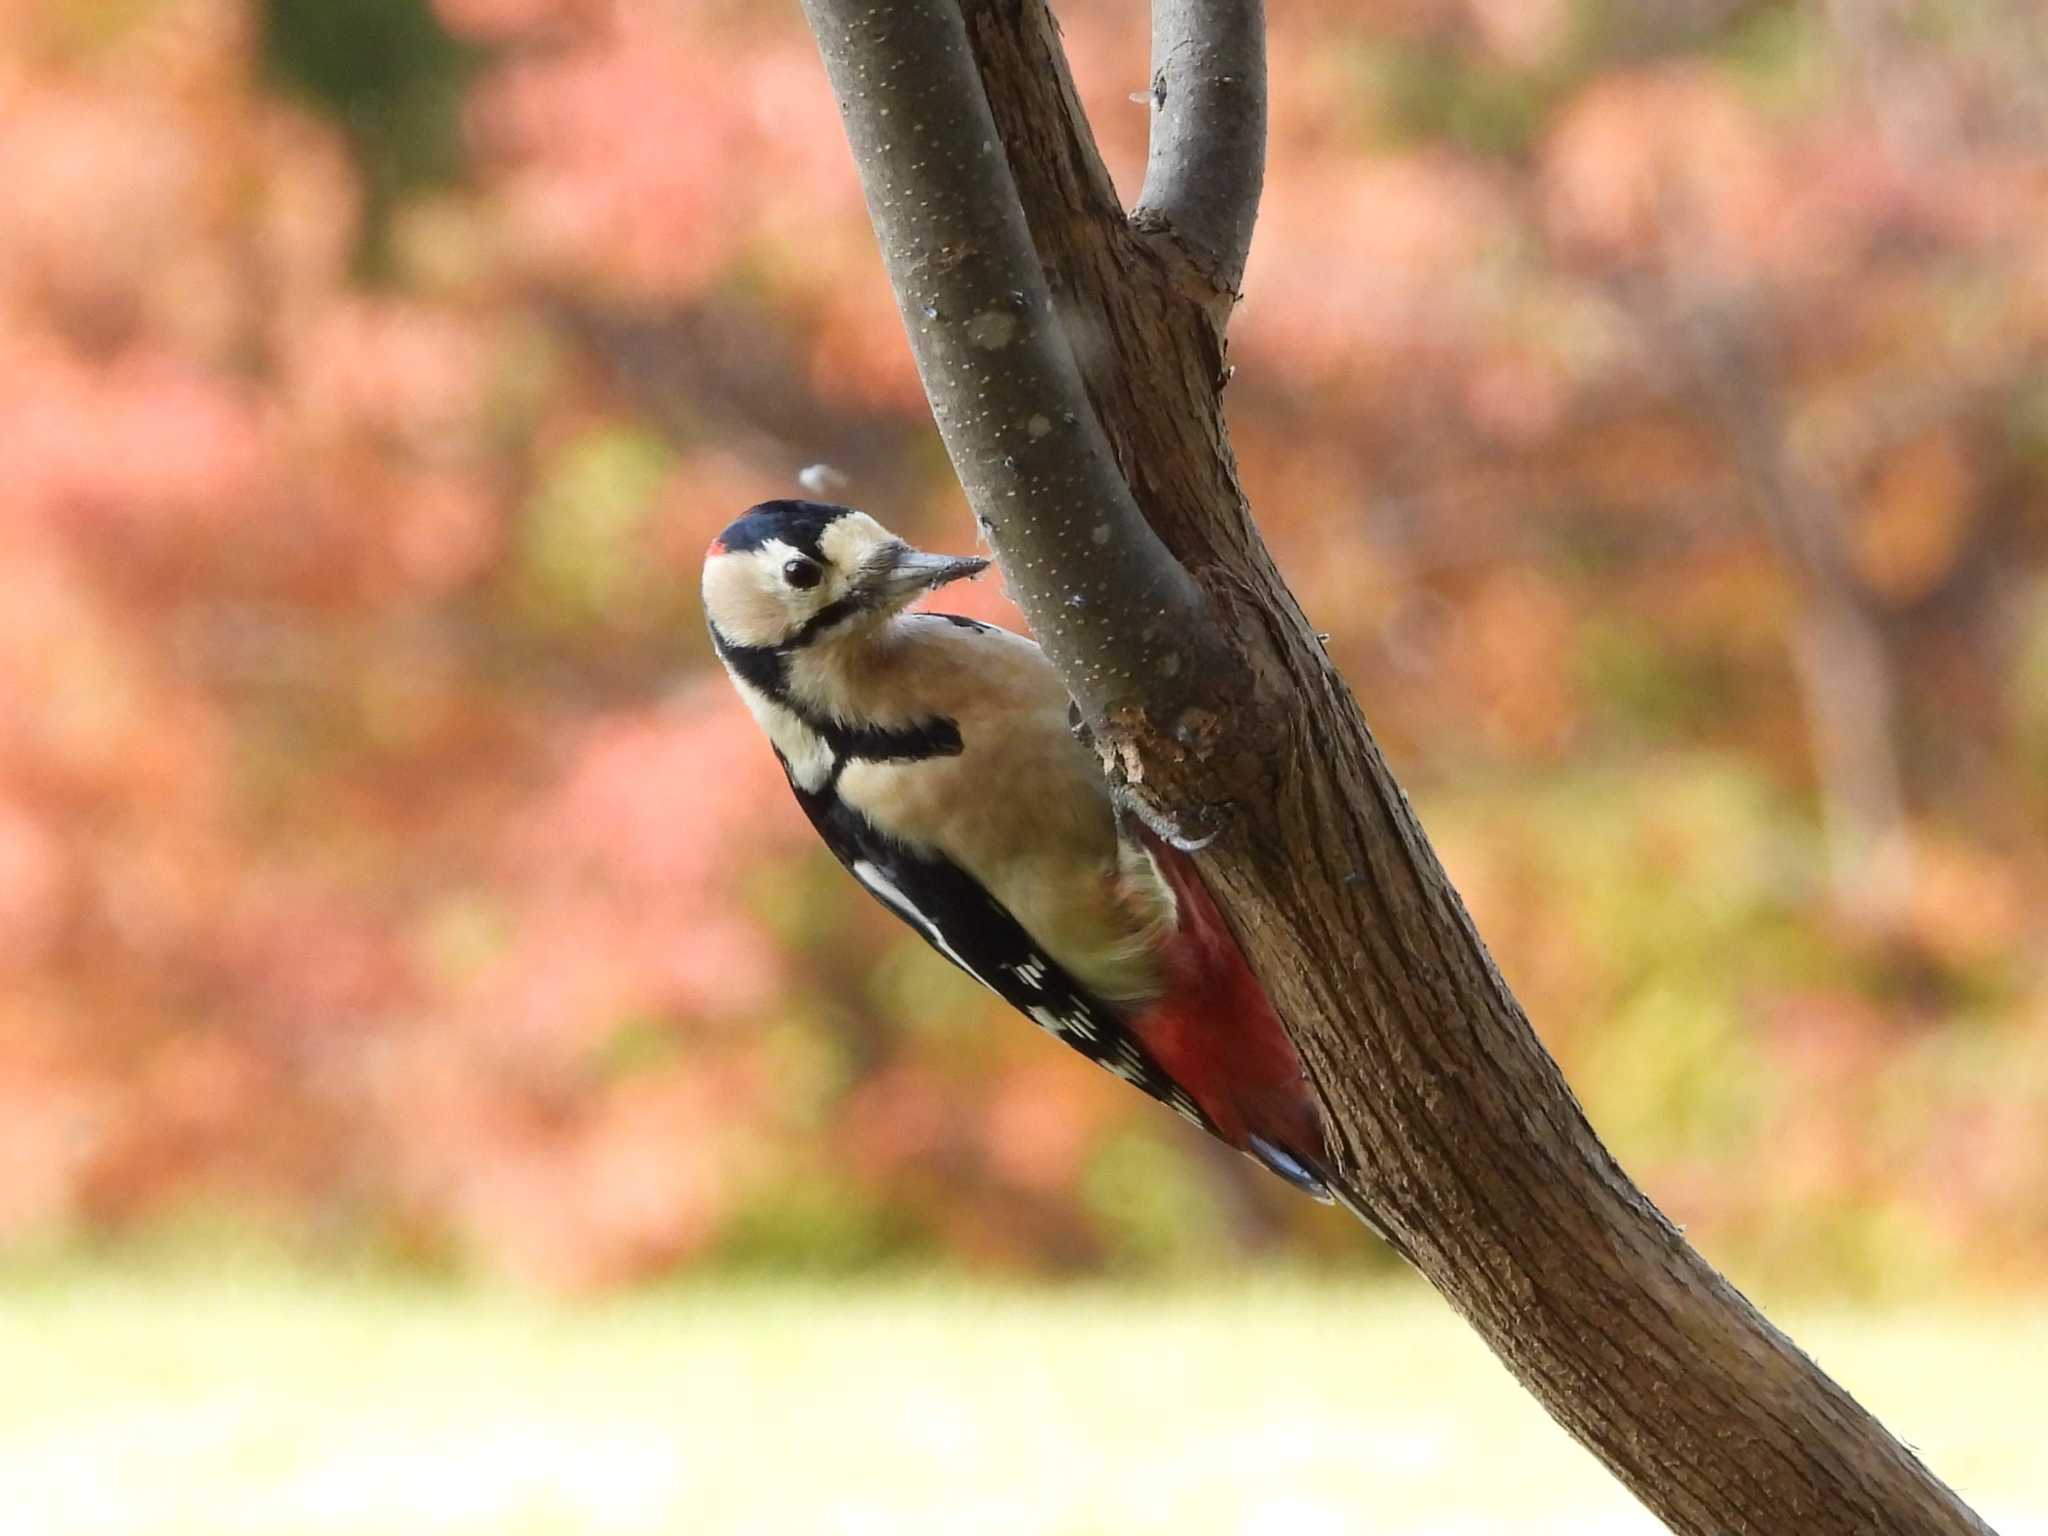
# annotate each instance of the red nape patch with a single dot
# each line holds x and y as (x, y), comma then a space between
(717, 547)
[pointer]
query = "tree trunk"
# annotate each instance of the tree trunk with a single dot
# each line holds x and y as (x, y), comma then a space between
(1075, 361)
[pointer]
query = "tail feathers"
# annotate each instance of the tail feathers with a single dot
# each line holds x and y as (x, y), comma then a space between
(1331, 1188)
(1217, 1036)
(1351, 1201)
(1301, 1175)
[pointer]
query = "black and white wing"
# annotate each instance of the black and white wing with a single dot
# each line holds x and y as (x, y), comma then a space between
(955, 914)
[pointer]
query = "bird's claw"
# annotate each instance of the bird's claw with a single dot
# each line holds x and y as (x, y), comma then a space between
(1128, 800)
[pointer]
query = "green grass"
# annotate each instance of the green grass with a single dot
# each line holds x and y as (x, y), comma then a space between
(137, 1405)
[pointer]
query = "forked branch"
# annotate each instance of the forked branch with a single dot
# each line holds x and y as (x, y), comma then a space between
(1117, 614)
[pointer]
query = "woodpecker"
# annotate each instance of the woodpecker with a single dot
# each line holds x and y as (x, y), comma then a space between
(933, 754)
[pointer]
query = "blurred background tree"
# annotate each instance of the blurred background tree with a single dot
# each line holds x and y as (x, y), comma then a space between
(1651, 400)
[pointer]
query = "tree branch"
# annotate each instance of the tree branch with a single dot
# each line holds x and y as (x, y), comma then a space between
(1207, 164)
(1117, 614)
(1451, 1120)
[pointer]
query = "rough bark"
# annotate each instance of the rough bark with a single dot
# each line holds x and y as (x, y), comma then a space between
(1452, 1120)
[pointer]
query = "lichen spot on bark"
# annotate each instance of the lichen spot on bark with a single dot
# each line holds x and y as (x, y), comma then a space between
(992, 330)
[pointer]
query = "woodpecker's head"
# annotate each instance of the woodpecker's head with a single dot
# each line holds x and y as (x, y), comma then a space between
(786, 574)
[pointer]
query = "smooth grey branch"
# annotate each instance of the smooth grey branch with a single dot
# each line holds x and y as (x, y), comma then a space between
(1207, 165)
(1118, 615)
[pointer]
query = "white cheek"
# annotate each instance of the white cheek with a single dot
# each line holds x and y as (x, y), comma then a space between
(752, 602)
(746, 610)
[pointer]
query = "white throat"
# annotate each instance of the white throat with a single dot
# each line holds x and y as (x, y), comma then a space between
(809, 756)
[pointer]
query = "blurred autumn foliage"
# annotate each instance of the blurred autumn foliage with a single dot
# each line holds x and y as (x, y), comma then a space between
(1651, 400)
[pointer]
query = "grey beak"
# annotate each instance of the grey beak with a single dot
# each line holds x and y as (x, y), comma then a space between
(912, 571)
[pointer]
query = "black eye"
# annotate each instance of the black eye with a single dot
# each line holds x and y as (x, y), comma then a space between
(802, 573)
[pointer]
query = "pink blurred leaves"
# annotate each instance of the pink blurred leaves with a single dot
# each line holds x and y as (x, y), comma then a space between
(351, 872)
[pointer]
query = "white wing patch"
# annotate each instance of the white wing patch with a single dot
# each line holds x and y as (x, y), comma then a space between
(1063, 1012)
(1127, 1063)
(893, 898)
(1070, 1027)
